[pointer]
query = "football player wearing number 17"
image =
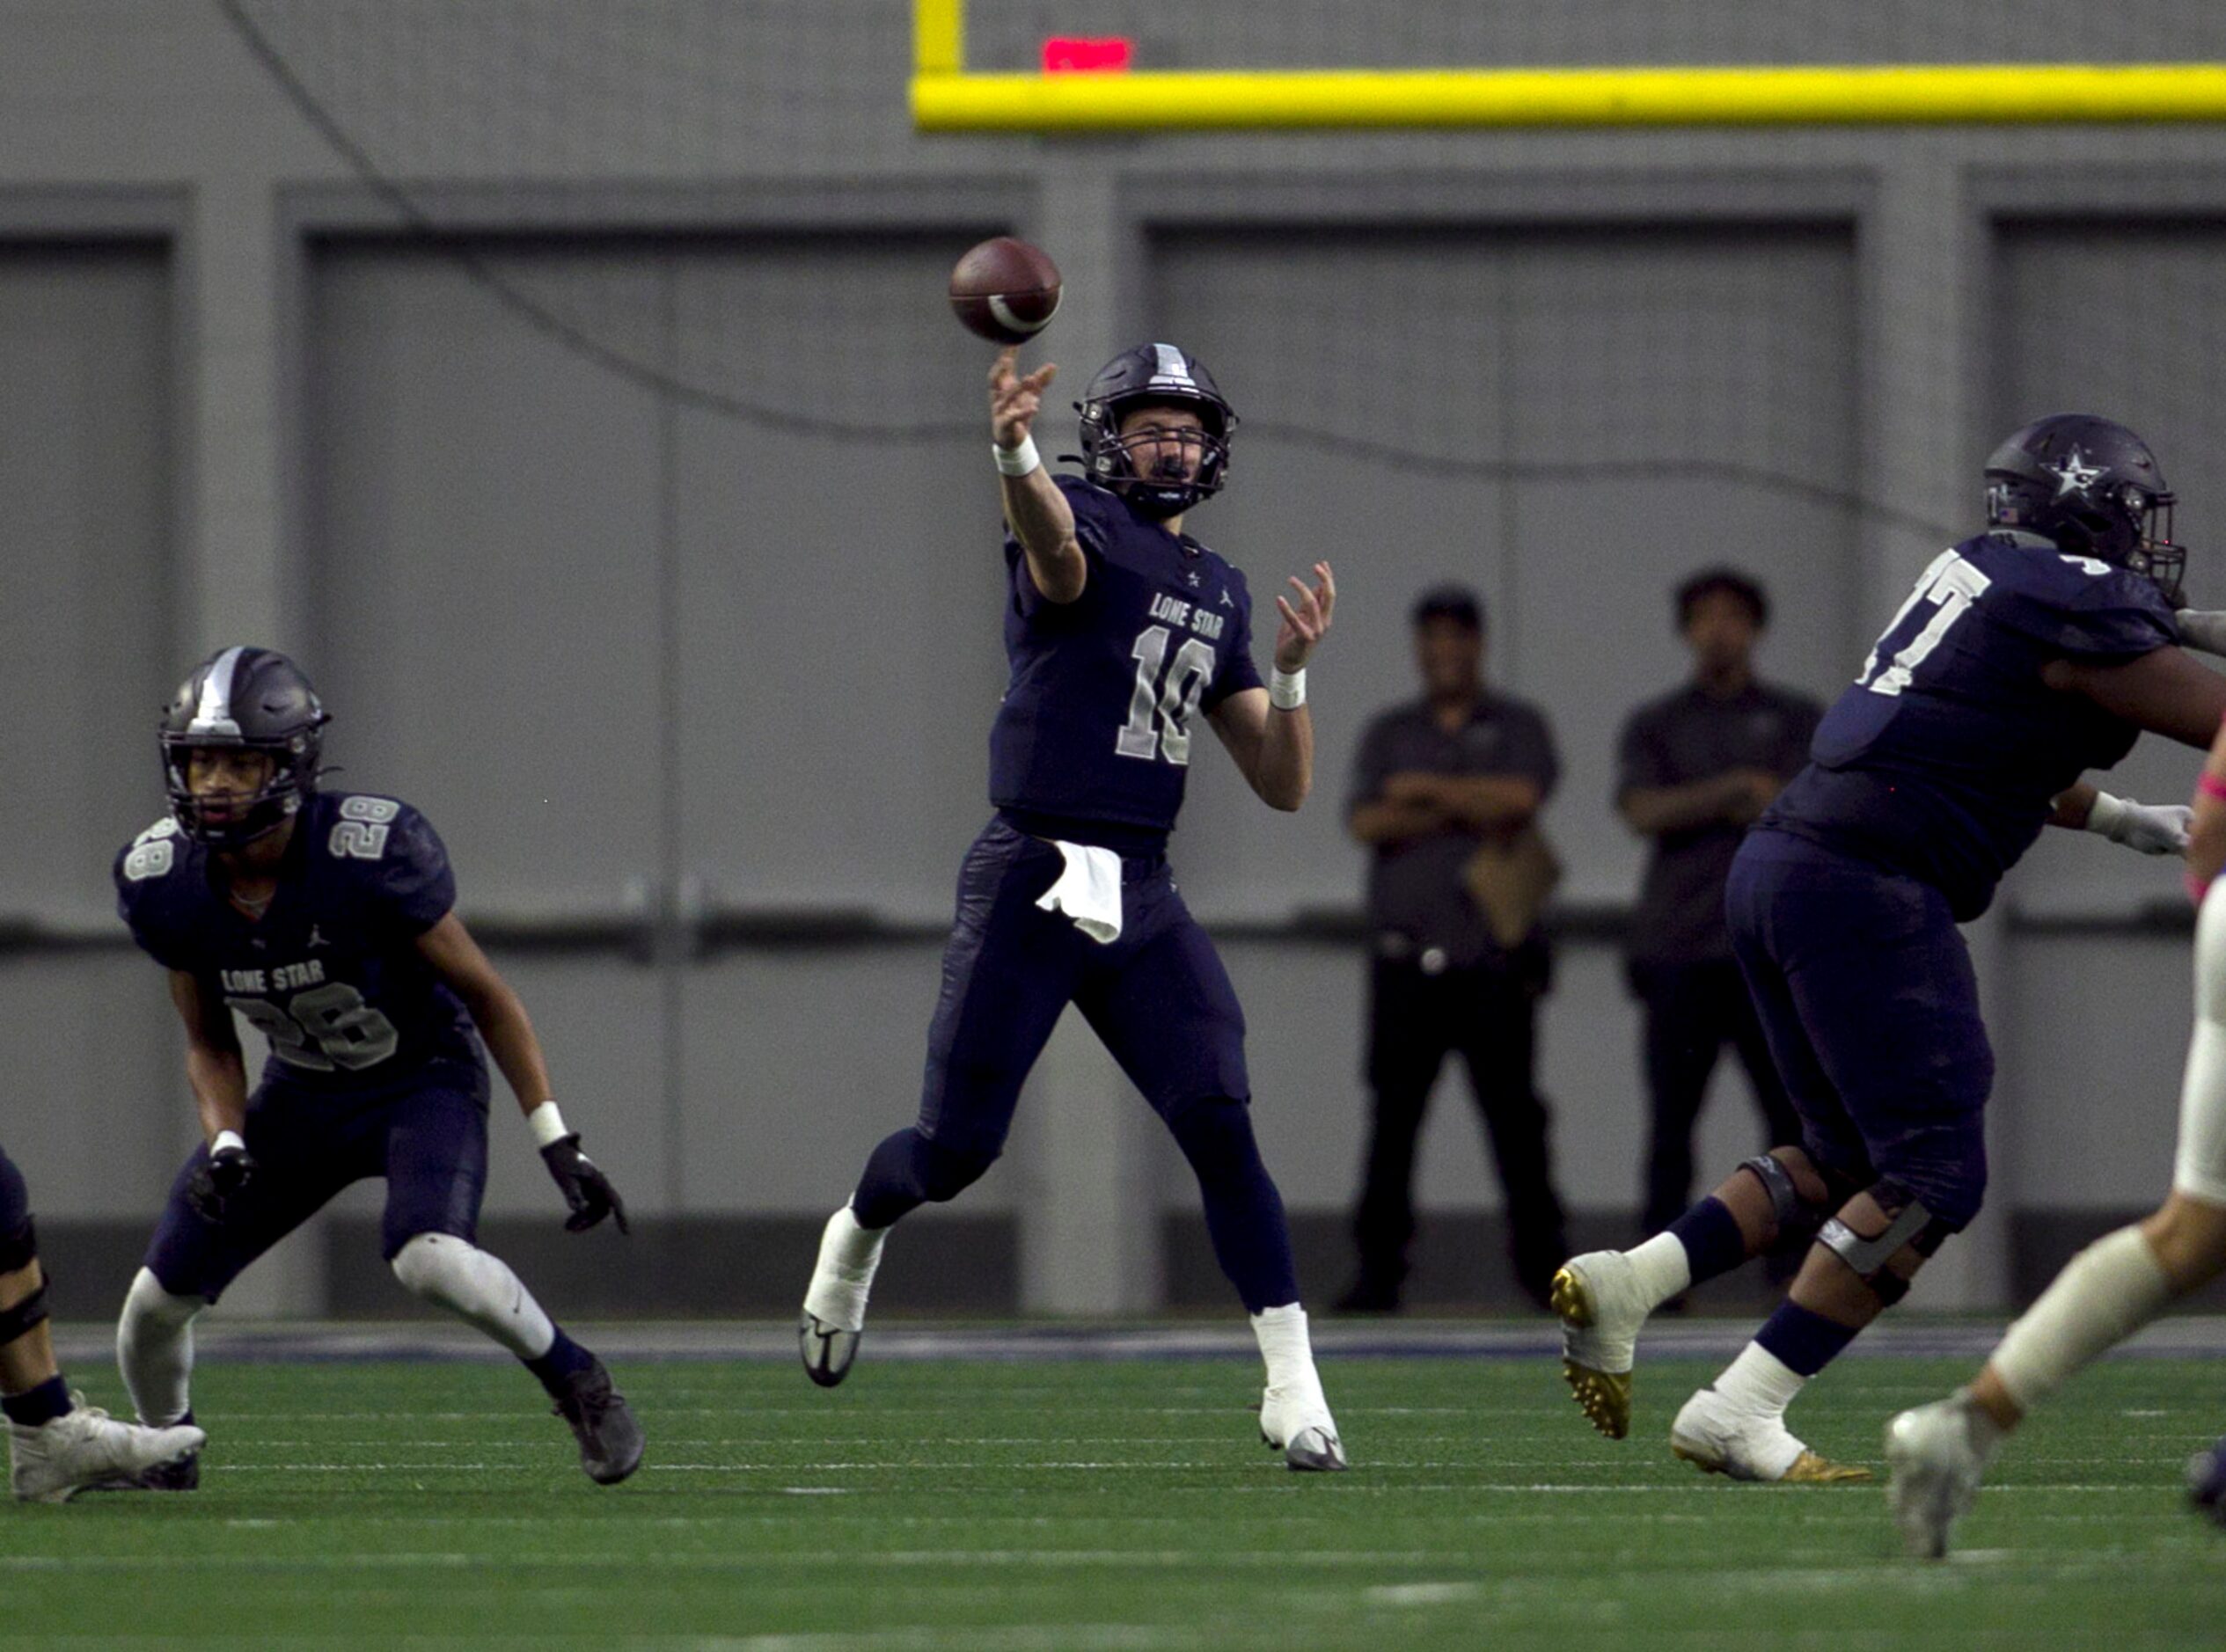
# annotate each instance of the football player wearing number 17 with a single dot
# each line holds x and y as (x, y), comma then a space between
(327, 921)
(1121, 631)
(2034, 651)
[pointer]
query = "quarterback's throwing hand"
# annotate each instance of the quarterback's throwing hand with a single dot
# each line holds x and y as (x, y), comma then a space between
(586, 1190)
(1306, 619)
(1015, 400)
(220, 1178)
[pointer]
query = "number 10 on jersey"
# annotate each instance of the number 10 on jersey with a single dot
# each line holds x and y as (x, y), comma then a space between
(1174, 703)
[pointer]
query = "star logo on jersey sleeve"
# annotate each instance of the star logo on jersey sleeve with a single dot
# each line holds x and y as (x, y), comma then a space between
(2075, 475)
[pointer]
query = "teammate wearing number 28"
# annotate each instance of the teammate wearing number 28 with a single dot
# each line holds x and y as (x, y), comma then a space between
(325, 921)
(1121, 631)
(2025, 656)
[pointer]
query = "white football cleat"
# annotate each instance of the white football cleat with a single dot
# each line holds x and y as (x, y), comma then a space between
(55, 1460)
(1601, 1307)
(1717, 1440)
(1294, 1419)
(1935, 1467)
(834, 1316)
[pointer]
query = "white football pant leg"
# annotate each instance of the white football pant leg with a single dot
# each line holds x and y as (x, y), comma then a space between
(445, 1271)
(155, 1350)
(2198, 1167)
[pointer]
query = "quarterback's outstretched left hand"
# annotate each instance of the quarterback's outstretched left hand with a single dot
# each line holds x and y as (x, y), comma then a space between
(1304, 622)
(586, 1190)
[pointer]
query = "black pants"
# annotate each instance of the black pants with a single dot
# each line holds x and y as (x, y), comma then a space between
(1488, 1016)
(1692, 1012)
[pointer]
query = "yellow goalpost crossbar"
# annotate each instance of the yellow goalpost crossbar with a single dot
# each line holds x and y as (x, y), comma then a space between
(947, 98)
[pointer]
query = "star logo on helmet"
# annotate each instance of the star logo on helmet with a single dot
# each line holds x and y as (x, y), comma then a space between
(2075, 475)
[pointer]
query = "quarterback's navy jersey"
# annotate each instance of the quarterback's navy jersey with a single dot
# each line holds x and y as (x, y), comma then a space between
(1099, 718)
(330, 974)
(1943, 758)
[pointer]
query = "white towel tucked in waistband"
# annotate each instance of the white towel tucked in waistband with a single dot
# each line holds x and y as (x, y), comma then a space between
(1088, 891)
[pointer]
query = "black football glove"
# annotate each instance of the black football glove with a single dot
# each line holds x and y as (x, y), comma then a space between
(217, 1181)
(585, 1187)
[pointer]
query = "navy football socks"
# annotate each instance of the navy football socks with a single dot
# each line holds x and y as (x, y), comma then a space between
(1802, 1340)
(36, 1407)
(564, 1358)
(1711, 1238)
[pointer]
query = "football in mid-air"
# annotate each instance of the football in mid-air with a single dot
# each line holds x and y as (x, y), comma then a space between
(1005, 289)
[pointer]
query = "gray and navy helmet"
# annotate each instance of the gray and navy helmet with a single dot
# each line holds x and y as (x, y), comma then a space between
(1154, 375)
(2094, 487)
(256, 699)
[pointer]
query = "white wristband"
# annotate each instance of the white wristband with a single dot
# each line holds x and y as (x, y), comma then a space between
(547, 1123)
(2107, 817)
(1016, 461)
(226, 1138)
(1286, 690)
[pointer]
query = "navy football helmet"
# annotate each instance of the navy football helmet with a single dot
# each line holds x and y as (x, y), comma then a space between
(1154, 375)
(255, 699)
(2094, 487)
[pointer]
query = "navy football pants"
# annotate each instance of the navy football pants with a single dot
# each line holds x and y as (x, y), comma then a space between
(427, 1138)
(1157, 997)
(1867, 998)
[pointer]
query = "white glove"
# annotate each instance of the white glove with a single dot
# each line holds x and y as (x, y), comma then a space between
(2203, 628)
(2154, 829)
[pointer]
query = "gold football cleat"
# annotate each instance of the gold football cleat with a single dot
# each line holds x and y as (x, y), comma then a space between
(1604, 1396)
(1808, 1469)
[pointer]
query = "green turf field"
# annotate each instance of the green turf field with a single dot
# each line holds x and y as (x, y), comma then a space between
(1093, 1505)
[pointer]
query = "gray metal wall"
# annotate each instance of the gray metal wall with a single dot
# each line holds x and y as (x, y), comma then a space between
(709, 697)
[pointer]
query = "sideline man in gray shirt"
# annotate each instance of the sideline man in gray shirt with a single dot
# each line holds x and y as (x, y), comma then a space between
(1698, 766)
(1436, 778)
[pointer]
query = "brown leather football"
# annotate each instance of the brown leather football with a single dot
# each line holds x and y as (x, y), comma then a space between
(1004, 290)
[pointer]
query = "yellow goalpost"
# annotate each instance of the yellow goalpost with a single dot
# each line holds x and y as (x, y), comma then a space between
(947, 97)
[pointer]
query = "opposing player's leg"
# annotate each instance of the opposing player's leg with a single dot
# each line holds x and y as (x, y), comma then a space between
(1938, 1452)
(192, 1260)
(57, 1444)
(1883, 983)
(436, 1167)
(1168, 1015)
(1604, 1297)
(1008, 971)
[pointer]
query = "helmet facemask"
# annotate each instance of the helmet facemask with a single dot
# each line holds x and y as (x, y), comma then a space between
(292, 778)
(1154, 375)
(1139, 466)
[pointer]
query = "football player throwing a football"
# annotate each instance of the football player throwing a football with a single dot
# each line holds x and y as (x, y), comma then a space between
(1123, 633)
(326, 920)
(2027, 655)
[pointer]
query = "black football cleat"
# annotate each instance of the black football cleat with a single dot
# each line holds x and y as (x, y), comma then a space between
(610, 1441)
